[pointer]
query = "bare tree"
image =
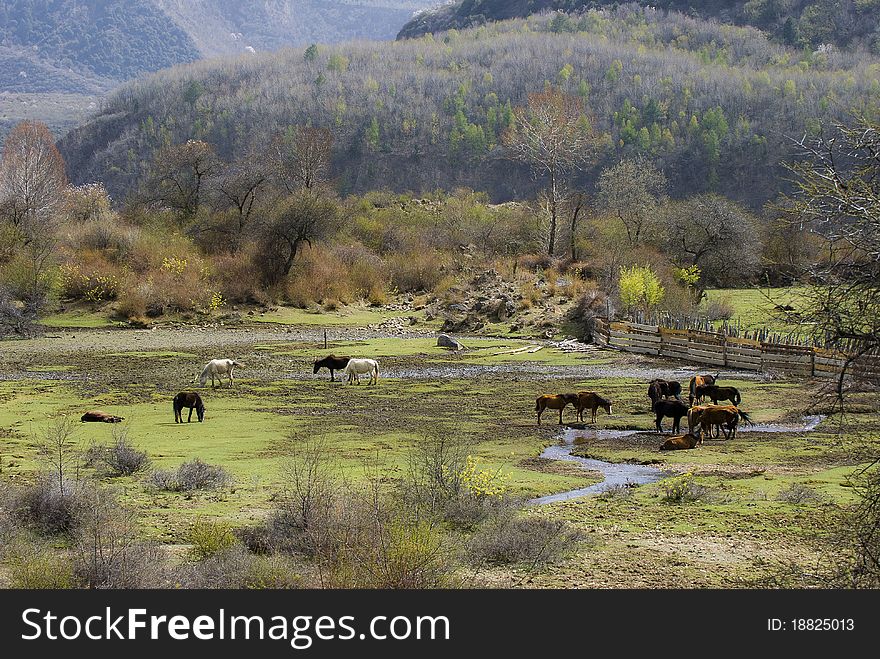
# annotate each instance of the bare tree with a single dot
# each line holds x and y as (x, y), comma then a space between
(179, 175)
(299, 219)
(715, 234)
(302, 156)
(32, 180)
(553, 135)
(242, 184)
(632, 191)
(838, 198)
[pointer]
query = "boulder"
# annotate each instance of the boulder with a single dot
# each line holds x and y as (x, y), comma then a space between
(446, 341)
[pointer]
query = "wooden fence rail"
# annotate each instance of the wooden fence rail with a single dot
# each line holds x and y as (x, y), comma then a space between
(719, 349)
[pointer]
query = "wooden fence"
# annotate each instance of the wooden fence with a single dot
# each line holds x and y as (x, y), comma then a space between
(722, 350)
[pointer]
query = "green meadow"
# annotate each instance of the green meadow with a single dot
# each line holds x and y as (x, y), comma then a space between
(485, 394)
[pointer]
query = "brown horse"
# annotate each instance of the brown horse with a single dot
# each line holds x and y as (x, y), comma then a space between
(716, 393)
(671, 408)
(554, 402)
(696, 381)
(331, 363)
(100, 416)
(659, 388)
(681, 442)
(191, 400)
(694, 421)
(593, 401)
(727, 417)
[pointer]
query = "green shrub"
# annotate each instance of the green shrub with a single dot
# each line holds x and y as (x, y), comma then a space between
(208, 538)
(682, 489)
(40, 568)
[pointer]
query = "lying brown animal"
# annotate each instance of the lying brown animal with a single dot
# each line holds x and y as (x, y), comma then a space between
(681, 442)
(98, 415)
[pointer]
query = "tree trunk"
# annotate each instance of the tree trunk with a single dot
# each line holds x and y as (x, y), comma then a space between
(551, 243)
(573, 227)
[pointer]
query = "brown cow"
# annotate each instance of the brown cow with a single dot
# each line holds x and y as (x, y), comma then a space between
(681, 442)
(100, 416)
(554, 402)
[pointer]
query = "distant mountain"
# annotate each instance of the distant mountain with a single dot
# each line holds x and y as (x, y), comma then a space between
(842, 23)
(88, 46)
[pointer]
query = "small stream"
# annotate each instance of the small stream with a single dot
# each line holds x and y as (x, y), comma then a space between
(626, 474)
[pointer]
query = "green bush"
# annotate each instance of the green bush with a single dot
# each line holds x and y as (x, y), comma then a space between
(40, 568)
(682, 489)
(208, 538)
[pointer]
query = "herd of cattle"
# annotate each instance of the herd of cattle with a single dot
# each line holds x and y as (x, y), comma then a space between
(666, 401)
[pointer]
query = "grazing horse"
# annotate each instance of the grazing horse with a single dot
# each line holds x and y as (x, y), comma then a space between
(593, 401)
(696, 381)
(727, 417)
(694, 420)
(671, 408)
(331, 363)
(716, 393)
(659, 388)
(681, 442)
(191, 400)
(216, 368)
(554, 402)
(357, 367)
(101, 417)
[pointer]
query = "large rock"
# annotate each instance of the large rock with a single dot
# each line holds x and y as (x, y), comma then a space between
(446, 341)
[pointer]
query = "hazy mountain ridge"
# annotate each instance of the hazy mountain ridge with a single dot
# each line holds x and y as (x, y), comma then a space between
(86, 46)
(843, 23)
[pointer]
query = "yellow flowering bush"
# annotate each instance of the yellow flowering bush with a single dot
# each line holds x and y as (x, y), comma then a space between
(217, 301)
(94, 286)
(681, 489)
(482, 482)
(174, 265)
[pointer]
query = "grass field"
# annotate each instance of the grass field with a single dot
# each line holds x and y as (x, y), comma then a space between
(755, 308)
(486, 394)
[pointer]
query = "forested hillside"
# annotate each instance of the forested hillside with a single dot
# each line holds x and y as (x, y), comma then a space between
(809, 23)
(712, 105)
(85, 46)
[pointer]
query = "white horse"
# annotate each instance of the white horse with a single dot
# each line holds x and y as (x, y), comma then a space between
(357, 367)
(216, 368)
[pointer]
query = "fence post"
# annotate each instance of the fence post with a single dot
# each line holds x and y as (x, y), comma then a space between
(325, 339)
(724, 349)
(812, 362)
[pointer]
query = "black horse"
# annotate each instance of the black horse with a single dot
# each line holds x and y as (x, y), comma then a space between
(697, 381)
(675, 409)
(659, 388)
(332, 363)
(716, 393)
(191, 400)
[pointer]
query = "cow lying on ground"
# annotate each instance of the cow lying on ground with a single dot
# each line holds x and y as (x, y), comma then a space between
(98, 415)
